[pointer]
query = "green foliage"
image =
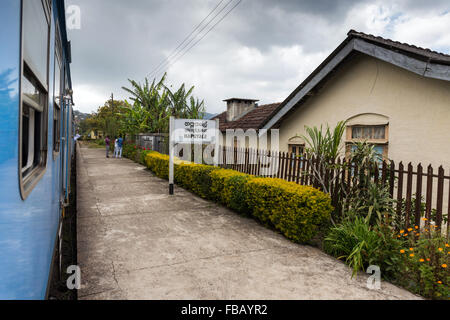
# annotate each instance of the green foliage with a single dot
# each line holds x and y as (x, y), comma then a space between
(324, 147)
(130, 151)
(227, 186)
(296, 211)
(106, 119)
(370, 201)
(366, 234)
(360, 245)
(366, 197)
(196, 178)
(153, 105)
(425, 260)
(326, 144)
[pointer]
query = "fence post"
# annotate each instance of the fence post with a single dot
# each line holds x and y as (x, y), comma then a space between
(440, 197)
(383, 172)
(298, 169)
(391, 179)
(336, 186)
(288, 165)
(291, 164)
(408, 194)
(429, 194)
(448, 212)
(258, 161)
(303, 181)
(247, 161)
(418, 204)
(400, 188)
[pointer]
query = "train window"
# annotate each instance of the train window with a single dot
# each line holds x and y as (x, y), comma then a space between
(35, 38)
(57, 96)
(33, 125)
(34, 93)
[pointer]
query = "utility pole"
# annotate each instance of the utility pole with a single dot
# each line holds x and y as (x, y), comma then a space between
(112, 100)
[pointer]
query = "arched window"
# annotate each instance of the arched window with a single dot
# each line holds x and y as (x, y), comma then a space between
(372, 128)
(296, 145)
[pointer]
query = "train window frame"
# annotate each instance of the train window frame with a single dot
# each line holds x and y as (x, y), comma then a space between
(33, 105)
(57, 96)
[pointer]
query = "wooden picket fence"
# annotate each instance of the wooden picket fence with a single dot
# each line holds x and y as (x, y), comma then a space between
(412, 186)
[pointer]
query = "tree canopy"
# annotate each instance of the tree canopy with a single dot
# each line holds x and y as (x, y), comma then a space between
(149, 109)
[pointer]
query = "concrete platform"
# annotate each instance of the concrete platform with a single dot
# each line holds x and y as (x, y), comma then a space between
(137, 242)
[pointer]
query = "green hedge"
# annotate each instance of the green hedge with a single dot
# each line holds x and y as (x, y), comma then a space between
(296, 211)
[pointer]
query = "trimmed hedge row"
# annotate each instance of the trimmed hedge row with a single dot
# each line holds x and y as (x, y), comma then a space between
(296, 211)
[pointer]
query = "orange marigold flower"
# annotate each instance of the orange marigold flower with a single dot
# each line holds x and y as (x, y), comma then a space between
(402, 231)
(444, 266)
(410, 229)
(424, 219)
(421, 260)
(411, 249)
(447, 245)
(440, 249)
(416, 227)
(440, 282)
(411, 255)
(405, 235)
(402, 251)
(428, 259)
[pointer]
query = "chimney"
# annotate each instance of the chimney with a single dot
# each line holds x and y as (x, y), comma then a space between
(237, 107)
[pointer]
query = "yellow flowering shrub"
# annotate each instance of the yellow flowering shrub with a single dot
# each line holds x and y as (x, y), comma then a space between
(158, 163)
(228, 187)
(195, 177)
(296, 211)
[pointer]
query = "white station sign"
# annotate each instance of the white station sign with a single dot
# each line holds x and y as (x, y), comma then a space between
(188, 131)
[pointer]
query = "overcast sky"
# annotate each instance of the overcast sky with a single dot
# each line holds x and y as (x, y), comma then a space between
(262, 50)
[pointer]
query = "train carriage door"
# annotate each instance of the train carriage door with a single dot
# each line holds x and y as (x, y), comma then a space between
(58, 108)
(63, 142)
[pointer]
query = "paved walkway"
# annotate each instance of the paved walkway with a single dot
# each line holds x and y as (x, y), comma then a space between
(136, 242)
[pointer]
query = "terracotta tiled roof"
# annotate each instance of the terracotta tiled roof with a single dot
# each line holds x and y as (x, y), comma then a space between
(405, 47)
(252, 120)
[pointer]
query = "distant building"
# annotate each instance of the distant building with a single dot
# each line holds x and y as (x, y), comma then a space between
(244, 114)
(94, 135)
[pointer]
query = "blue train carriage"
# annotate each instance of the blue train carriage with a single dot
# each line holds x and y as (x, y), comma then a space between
(35, 142)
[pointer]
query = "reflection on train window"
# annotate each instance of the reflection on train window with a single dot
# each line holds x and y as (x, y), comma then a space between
(34, 108)
(35, 38)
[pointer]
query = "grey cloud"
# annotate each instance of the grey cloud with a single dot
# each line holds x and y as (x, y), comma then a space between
(123, 39)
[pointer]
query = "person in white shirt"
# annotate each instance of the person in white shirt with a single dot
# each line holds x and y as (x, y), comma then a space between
(116, 148)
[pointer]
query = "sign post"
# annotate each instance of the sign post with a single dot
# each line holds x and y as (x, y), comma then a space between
(191, 131)
(217, 144)
(171, 154)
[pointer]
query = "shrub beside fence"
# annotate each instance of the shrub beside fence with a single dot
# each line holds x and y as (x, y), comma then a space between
(418, 191)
